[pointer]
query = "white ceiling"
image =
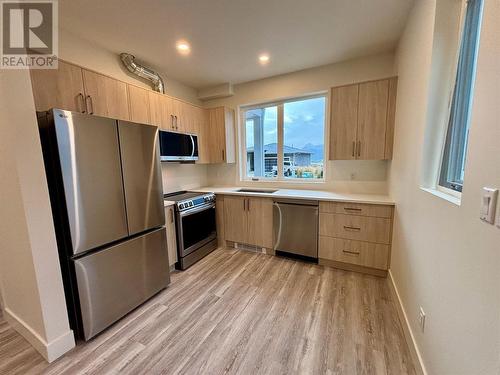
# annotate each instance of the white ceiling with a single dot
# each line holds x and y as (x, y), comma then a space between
(226, 36)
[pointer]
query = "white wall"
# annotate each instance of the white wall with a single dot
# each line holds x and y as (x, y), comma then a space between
(178, 177)
(444, 258)
(77, 50)
(30, 275)
(368, 176)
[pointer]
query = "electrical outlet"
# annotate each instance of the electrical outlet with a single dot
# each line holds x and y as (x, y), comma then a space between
(421, 319)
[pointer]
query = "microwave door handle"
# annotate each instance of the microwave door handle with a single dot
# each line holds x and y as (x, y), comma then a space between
(192, 145)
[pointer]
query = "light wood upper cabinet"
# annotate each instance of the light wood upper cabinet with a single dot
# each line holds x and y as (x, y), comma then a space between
(106, 96)
(58, 88)
(344, 120)
(218, 138)
(372, 119)
(139, 104)
(362, 120)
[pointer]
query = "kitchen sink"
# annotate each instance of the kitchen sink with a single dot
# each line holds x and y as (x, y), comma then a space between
(262, 191)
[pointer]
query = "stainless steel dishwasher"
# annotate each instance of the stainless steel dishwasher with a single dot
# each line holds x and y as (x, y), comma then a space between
(296, 227)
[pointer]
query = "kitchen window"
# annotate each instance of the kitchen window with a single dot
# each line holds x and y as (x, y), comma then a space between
(285, 140)
(453, 162)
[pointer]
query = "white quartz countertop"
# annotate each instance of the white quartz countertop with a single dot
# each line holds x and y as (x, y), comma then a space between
(319, 195)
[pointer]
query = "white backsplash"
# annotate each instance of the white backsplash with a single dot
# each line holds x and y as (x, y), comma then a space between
(183, 176)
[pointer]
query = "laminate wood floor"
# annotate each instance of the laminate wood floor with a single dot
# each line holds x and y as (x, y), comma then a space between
(238, 312)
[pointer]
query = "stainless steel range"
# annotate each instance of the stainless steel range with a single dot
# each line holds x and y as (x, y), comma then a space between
(195, 226)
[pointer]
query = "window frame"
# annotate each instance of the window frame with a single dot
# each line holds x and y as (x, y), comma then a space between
(457, 132)
(280, 104)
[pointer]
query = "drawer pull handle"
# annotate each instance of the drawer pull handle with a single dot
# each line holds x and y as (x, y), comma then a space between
(351, 252)
(352, 228)
(352, 209)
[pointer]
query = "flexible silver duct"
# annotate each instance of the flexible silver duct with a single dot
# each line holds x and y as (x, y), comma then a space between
(143, 72)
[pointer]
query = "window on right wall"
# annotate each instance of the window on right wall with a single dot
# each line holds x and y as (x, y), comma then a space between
(451, 175)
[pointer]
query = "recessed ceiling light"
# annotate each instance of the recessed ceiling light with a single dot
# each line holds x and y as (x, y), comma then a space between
(264, 58)
(183, 47)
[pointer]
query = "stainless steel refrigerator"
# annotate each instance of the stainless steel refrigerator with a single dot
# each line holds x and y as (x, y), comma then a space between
(106, 194)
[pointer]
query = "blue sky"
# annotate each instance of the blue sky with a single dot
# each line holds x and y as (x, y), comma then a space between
(304, 123)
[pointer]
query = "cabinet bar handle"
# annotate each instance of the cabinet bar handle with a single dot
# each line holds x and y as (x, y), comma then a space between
(351, 252)
(176, 125)
(359, 148)
(81, 102)
(353, 148)
(223, 155)
(88, 99)
(346, 227)
(352, 209)
(172, 121)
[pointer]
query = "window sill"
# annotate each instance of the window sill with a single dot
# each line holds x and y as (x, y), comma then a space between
(290, 181)
(443, 195)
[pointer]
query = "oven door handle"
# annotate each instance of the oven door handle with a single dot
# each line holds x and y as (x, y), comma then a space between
(195, 210)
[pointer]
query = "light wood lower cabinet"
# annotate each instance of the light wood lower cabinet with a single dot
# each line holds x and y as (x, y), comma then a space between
(355, 236)
(365, 254)
(353, 227)
(248, 220)
(171, 234)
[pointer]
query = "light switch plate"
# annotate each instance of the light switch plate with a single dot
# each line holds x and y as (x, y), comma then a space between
(489, 205)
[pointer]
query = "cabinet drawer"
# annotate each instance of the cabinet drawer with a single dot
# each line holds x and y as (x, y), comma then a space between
(375, 210)
(361, 228)
(354, 252)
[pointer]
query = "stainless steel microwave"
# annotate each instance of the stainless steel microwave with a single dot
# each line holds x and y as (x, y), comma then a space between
(178, 146)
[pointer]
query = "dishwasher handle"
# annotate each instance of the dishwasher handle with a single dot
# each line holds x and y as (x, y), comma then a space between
(278, 236)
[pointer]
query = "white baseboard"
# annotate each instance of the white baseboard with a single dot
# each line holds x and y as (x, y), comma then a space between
(408, 332)
(49, 350)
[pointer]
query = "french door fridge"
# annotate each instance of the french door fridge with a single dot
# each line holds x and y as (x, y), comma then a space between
(106, 194)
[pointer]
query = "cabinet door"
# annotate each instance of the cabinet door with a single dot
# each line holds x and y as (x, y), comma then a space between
(171, 235)
(58, 88)
(139, 104)
(230, 136)
(217, 135)
(235, 219)
(177, 113)
(260, 222)
(160, 109)
(391, 117)
(372, 119)
(203, 136)
(106, 96)
(343, 122)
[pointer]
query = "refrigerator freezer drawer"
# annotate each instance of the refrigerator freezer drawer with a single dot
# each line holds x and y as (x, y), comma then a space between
(115, 280)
